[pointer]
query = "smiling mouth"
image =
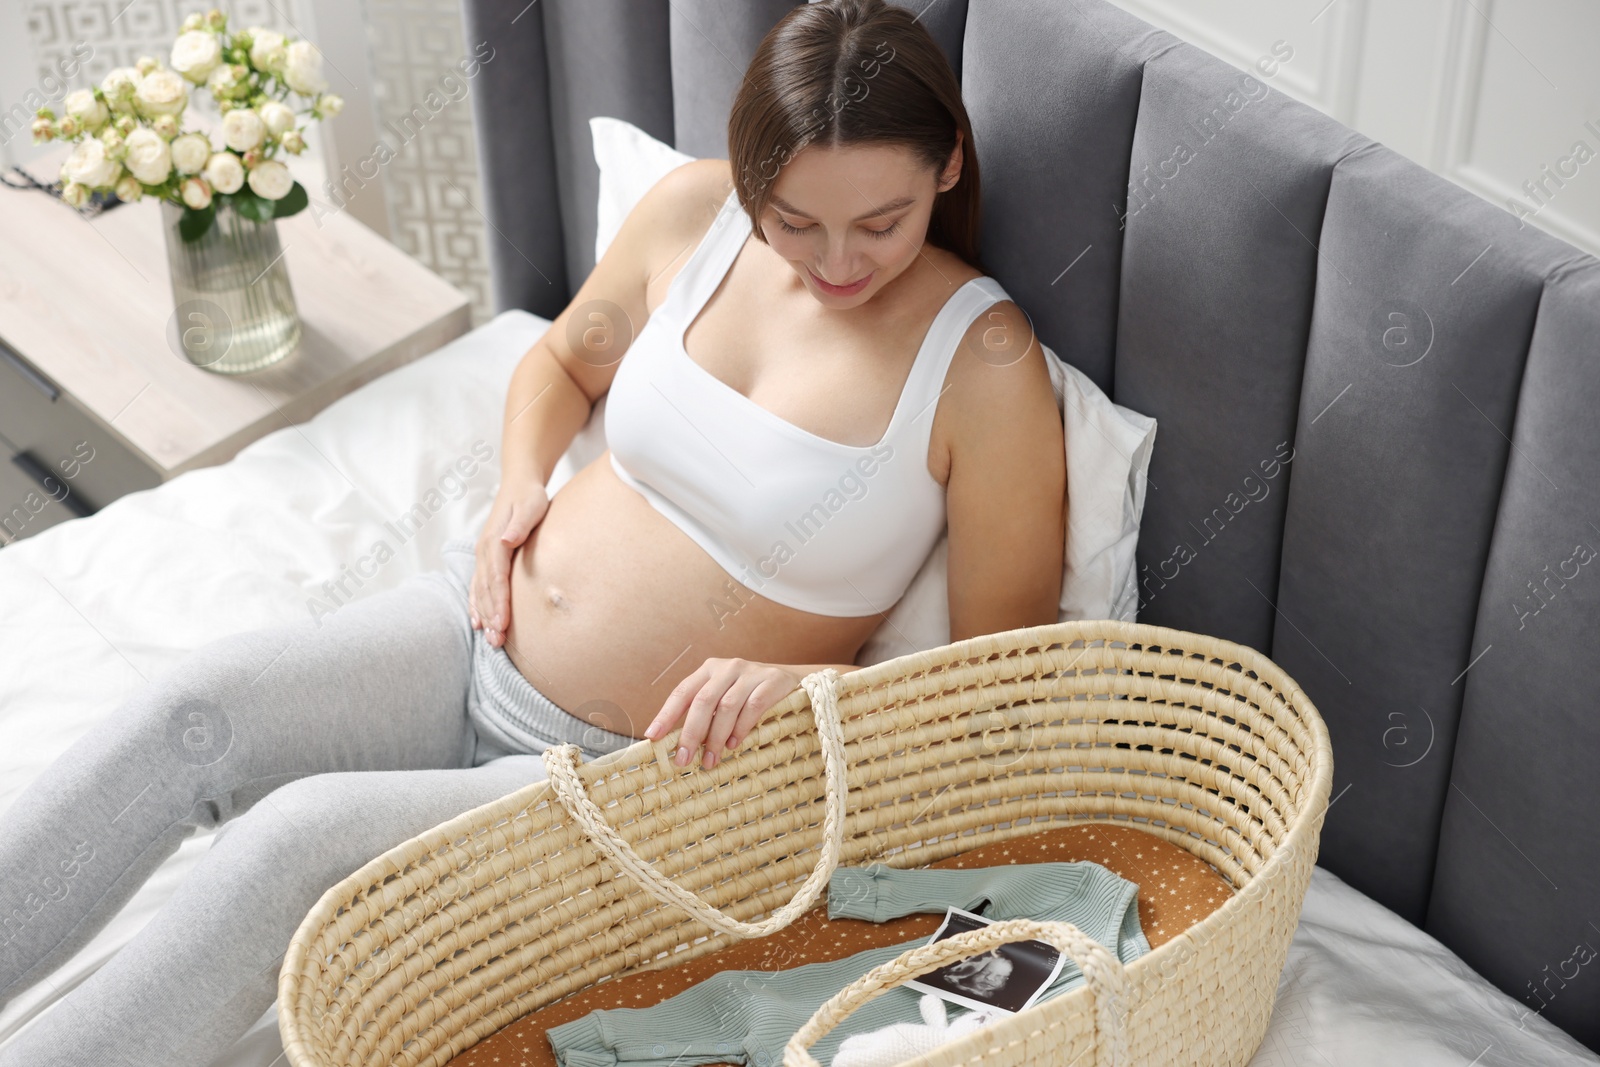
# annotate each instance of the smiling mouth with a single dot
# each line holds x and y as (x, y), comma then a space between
(841, 290)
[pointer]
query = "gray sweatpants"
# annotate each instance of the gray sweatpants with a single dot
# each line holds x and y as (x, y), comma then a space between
(319, 746)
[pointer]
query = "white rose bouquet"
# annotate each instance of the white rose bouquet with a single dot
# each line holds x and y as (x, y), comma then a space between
(129, 134)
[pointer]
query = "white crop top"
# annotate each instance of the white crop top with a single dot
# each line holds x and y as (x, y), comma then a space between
(806, 521)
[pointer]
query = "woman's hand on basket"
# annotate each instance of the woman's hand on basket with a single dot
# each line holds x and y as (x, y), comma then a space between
(720, 704)
(516, 511)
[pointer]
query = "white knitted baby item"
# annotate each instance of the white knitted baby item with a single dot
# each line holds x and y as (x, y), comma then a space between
(899, 1042)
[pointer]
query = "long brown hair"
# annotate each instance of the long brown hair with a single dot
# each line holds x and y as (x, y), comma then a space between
(843, 72)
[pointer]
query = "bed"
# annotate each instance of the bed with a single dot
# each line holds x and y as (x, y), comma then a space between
(90, 608)
(1268, 285)
(1246, 303)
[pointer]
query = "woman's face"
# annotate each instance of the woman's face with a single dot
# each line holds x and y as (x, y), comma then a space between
(849, 219)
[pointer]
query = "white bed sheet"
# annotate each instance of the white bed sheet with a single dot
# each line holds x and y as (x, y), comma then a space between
(92, 608)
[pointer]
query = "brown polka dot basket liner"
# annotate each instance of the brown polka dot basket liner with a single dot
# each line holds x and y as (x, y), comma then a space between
(630, 863)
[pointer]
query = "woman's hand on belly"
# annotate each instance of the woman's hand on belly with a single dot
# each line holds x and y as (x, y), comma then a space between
(720, 704)
(517, 510)
(613, 605)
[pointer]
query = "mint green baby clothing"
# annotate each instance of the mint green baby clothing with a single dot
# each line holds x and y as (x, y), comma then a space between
(748, 1016)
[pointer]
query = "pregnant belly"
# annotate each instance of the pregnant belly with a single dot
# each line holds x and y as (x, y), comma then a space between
(612, 606)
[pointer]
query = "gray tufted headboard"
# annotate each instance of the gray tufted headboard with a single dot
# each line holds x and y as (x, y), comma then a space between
(1419, 375)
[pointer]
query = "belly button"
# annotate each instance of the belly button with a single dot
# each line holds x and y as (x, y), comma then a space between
(556, 599)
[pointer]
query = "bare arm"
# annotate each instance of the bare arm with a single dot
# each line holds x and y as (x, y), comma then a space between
(1005, 500)
(545, 408)
(556, 384)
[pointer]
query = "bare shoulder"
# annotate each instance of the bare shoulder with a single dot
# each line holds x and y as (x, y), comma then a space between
(1000, 338)
(998, 355)
(998, 390)
(668, 219)
(679, 207)
(951, 270)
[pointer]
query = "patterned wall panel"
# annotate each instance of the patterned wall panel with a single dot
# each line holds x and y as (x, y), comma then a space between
(115, 33)
(420, 95)
(419, 92)
(120, 31)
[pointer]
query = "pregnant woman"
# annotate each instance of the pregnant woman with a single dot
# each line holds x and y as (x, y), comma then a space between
(807, 378)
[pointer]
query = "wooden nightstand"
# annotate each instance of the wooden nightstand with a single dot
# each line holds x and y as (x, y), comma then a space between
(94, 403)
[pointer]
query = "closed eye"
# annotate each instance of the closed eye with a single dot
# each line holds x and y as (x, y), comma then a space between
(885, 232)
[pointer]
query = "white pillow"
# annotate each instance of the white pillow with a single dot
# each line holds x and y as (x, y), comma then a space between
(630, 161)
(1108, 452)
(1107, 445)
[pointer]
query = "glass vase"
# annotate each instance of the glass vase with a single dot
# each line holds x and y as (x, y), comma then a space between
(233, 309)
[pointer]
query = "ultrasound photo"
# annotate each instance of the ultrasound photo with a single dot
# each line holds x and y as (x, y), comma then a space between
(1009, 977)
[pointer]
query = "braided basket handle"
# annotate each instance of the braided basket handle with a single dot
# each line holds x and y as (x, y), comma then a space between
(1102, 972)
(822, 687)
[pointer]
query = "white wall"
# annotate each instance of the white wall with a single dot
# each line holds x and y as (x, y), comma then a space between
(1496, 95)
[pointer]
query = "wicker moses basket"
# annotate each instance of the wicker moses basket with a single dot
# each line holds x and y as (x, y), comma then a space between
(452, 935)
